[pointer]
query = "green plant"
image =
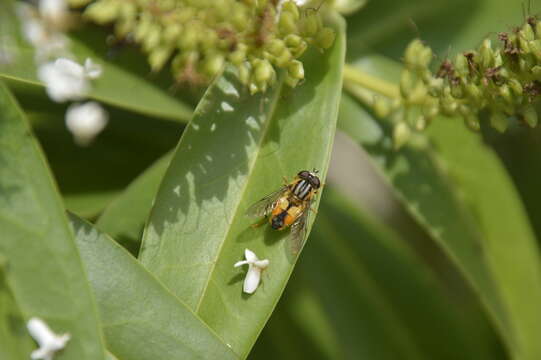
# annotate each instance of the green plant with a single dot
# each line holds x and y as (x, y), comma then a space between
(127, 239)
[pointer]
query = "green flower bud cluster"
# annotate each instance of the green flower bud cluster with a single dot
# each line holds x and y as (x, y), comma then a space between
(197, 37)
(500, 80)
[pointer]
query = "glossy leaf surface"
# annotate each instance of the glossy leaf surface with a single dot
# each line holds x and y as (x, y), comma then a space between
(125, 217)
(140, 318)
(235, 151)
(43, 266)
(360, 292)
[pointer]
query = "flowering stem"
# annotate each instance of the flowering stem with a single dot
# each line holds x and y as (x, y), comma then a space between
(354, 76)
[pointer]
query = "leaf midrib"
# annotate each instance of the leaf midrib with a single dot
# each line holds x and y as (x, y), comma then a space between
(268, 121)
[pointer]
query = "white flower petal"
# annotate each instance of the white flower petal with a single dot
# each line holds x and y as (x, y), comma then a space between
(262, 264)
(250, 255)
(255, 266)
(48, 341)
(64, 80)
(240, 263)
(251, 282)
(92, 70)
(54, 11)
(86, 121)
(70, 67)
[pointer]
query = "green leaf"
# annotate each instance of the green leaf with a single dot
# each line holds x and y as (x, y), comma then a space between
(141, 319)
(420, 182)
(469, 236)
(43, 267)
(125, 81)
(509, 245)
(361, 292)
(234, 152)
(124, 218)
(15, 343)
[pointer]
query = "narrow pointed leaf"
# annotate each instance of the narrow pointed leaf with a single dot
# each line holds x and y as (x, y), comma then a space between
(124, 218)
(234, 152)
(141, 319)
(421, 184)
(43, 266)
(15, 342)
(509, 244)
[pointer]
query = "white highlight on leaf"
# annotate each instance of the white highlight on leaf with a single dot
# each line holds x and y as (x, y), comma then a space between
(255, 267)
(176, 190)
(49, 342)
(67, 80)
(252, 122)
(209, 158)
(86, 121)
(195, 126)
(212, 127)
(226, 107)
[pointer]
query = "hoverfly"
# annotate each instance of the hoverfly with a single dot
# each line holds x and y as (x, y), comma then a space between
(289, 206)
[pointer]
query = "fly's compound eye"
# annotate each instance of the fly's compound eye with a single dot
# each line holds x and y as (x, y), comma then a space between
(314, 181)
(304, 174)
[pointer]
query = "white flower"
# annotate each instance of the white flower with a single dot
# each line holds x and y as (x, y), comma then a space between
(255, 266)
(48, 341)
(86, 121)
(54, 11)
(46, 41)
(92, 70)
(67, 80)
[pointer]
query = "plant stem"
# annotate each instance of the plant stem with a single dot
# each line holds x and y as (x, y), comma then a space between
(355, 76)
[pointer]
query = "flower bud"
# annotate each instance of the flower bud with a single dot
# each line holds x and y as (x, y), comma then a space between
(472, 122)
(505, 93)
(420, 123)
(487, 54)
(461, 65)
(276, 46)
(244, 73)
(536, 71)
(263, 72)
(499, 121)
(516, 86)
(287, 23)
(425, 57)
(527, 32)
(535, 47)
(213, 64)
(310, 24)
(158, 57)
(401, 134)
(325, 38)
(102, 12)
(473, 91)
(239, 55)
(530, 116)
(538, 30)
(406, 83)
(412, 52)
(291, 7)
(381, 107)
(296, 70)
(418, 95)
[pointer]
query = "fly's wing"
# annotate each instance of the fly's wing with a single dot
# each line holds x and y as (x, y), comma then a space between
(298, 230)
(264, 206)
